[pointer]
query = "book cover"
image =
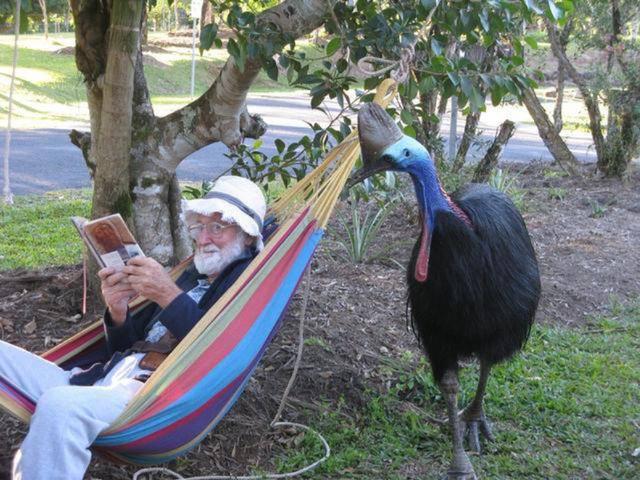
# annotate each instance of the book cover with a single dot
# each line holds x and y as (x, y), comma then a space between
(109, 239)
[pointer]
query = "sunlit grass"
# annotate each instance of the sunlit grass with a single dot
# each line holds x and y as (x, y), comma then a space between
(36, 230)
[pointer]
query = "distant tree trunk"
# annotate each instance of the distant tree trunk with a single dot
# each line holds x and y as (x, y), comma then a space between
(470, 127)
(548, 132)
(557, 111)
(490, 159)
(176, 16)
(45, 19)
(590, 100)
(8, 196)
(144, 30)
(206, 15)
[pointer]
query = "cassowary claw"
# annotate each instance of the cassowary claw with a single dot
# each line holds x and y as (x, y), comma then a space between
(474, 425)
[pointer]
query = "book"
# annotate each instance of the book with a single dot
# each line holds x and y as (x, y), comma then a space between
(108, 239)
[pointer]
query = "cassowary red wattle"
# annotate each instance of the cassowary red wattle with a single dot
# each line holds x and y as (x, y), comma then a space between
(473, 280)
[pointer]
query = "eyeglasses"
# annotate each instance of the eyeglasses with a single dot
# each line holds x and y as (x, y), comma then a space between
(213, 229)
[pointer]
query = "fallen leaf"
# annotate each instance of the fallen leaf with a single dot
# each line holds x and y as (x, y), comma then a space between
(30, 327)
(73, 318)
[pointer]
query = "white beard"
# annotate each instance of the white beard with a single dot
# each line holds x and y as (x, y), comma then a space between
(210, 260)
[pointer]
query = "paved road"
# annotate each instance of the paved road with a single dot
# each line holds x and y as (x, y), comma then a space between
(43, 159)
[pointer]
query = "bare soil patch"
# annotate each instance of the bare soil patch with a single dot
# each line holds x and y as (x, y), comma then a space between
(585, 233)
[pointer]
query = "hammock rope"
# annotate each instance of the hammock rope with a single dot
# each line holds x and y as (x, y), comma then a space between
(205, 374)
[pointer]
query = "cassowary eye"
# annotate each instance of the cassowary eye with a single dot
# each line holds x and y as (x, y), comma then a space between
(406, 152)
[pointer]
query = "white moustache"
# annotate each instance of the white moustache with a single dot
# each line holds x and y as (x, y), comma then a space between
(208, 249)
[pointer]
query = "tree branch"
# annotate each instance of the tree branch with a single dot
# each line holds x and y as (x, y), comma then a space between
(82, 140)
(220, 113)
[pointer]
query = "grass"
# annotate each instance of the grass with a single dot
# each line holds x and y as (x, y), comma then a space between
(36, 231)
(564, 409)
(49, 89)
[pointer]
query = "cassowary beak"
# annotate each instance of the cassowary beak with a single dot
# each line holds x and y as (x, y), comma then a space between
(377, 131)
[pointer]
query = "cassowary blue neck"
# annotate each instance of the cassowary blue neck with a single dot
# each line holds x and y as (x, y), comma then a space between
(429, 194)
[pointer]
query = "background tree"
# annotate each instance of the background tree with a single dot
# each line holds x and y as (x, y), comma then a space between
(606, 27)
(137, 178)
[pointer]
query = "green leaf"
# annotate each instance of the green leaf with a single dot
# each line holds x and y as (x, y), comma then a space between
(280, 145)
(531, 41)
(333, 46)
(410, 131)
(531, 5)
(208, 35)
(436, 46)
(406, 116)
(271, 68)
(555, 11)
(484, 20)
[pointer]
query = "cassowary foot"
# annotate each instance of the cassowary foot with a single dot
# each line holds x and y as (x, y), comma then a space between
(461, 468)
(476, 424)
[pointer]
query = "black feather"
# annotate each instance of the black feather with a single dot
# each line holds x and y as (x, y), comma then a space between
(483, 285)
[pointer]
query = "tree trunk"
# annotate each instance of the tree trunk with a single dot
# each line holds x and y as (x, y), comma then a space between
(557, 111)
(549, 134)
(111, 187)
(6, 190)
(176, 15)
(590, 101)
(45, 19)
(470, 126)
(490, 159)
(206, 14)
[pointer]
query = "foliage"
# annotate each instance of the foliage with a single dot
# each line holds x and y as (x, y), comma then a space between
(507, 183)
(557, 193)
(191, 192)
(362, 229)
(562, 409)
(470, 49)
(37, 232)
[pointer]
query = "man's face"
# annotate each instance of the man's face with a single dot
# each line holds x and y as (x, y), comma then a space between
(215, 251)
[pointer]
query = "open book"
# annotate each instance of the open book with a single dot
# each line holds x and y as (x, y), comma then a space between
(109, 239)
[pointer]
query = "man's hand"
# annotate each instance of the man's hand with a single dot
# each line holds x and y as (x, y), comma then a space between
(148, 278)
(116, 292)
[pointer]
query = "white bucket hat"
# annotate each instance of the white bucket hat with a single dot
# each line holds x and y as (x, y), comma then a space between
(237, 199)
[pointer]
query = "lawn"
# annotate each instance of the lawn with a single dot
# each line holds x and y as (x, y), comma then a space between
(566, 408)
(50, 90)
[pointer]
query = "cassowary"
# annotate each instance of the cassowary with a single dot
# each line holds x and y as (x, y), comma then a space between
(473, 281)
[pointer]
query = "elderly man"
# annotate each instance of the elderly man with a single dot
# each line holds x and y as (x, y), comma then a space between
(73, 407)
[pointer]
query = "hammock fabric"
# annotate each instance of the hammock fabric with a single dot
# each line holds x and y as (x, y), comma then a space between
(203, 377)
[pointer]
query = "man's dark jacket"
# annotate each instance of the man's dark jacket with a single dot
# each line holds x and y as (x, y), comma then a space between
(179, 317)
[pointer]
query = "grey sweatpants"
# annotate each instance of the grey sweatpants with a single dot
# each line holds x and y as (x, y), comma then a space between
(67, 418)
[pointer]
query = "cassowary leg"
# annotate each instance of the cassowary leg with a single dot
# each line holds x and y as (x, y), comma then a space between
(473, 417)
(461, 468)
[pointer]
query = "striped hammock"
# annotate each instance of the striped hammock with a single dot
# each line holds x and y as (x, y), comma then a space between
(206, 373)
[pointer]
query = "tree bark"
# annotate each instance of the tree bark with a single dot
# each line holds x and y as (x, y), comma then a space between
(45, 18)
(470, 127)
(490, 159)
(111, 192)
(176, 16)
(557, 111)
(549, 134)
(590, 101)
